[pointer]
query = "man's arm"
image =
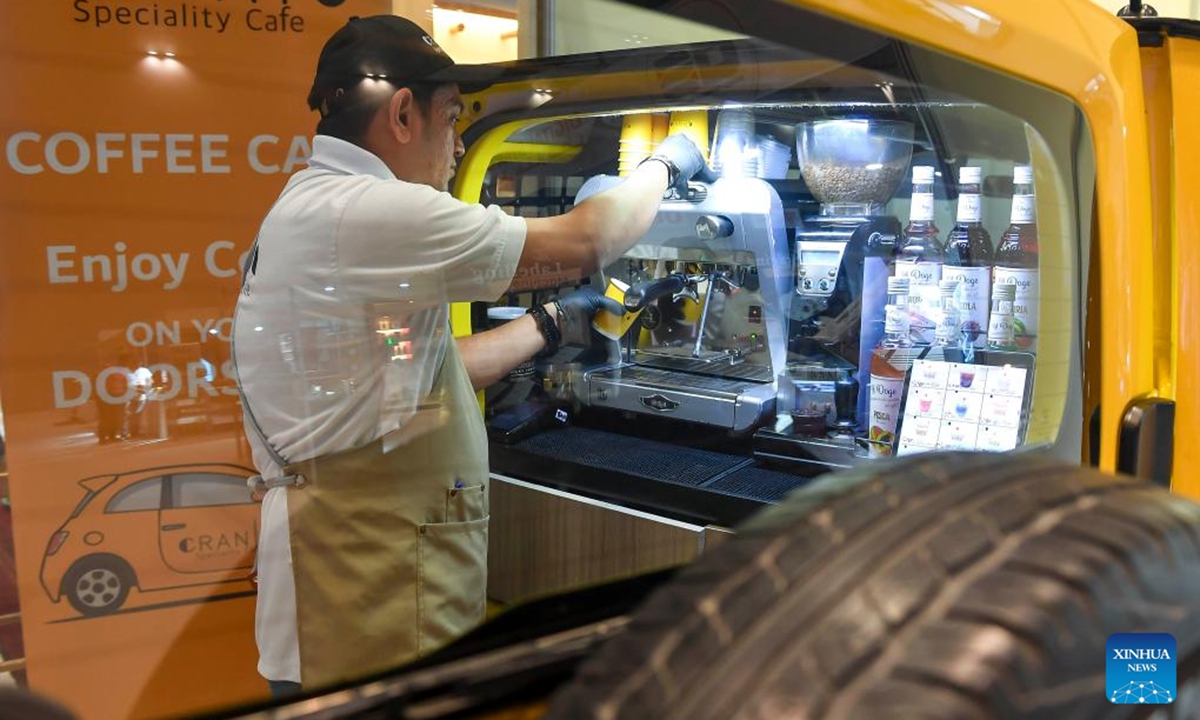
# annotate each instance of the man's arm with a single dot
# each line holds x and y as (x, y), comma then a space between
(598, 230)
(491, 354)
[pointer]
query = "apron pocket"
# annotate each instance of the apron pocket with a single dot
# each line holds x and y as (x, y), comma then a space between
(451, 580)
(466, 503)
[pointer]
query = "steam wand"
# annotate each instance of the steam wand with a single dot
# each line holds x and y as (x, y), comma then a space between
(713, 278)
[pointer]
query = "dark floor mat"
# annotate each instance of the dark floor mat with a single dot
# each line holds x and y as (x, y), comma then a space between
(758, 483)
(632, 456)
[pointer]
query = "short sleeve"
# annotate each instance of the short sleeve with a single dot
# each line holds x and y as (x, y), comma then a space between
(435, 246)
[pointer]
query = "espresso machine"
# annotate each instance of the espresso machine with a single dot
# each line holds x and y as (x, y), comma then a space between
(709, 284)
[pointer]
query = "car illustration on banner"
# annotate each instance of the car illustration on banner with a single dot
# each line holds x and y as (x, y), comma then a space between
(154, 529)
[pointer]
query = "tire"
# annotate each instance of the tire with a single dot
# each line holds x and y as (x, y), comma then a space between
(98, 584)
(940, 587)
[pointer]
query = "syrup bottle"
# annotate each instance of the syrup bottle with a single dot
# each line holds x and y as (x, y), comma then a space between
(919, 258)
(890, 361)
(949, 327)
(1001, 327)
(1017, 259)
(969, 258)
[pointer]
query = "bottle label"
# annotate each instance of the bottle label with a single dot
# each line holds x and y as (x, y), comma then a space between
(895, 319)
(886, 393)
(948, 323)
(919, 273)
(973, 297)
(1023, 209)
(1001, 331)
(1025, 307)
(922, 207)
(969, 208)
(924, 297)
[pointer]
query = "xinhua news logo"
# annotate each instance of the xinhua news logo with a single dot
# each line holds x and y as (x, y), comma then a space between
(1140, 669)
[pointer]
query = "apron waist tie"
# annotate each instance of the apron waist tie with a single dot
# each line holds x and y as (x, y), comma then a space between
(258, 484)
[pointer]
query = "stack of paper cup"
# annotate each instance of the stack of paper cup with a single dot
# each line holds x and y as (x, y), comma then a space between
(636, 143)
(773, 158)
(660, 127)
(694, 125)
(742, 164)
(734, 150)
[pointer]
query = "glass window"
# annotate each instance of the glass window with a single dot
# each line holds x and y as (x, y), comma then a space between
(206, 489)
(835, 184)
(144, 495)
(889, 263)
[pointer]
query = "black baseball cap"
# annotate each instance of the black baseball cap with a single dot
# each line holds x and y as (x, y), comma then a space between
(392, 48)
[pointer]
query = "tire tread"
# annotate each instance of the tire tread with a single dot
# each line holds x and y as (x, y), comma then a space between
(1013, 566)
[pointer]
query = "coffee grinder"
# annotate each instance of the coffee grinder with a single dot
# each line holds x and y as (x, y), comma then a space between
(844, 253)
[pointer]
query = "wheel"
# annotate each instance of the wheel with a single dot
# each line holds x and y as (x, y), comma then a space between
(939, 587)
(98, 584)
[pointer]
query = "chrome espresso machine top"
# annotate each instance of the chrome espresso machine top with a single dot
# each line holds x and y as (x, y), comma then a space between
(710, 285)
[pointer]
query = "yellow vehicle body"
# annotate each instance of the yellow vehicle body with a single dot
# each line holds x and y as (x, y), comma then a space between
(1172, 74)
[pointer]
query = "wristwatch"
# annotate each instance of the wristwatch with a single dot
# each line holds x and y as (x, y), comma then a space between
(672, 170)
(548, 328)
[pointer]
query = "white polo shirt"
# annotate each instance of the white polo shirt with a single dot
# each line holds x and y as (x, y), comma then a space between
(342, 326)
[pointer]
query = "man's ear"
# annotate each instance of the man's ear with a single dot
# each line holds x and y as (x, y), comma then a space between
(402, 110)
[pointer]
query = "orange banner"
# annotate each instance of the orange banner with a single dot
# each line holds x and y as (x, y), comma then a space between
(143, 142)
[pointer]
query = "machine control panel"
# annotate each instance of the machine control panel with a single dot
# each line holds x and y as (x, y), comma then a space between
(817, 265)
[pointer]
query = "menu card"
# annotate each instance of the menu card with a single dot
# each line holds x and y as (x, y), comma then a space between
(956, 406)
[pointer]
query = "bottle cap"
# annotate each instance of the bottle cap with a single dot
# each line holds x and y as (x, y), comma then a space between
(948, 287)
(1022, 175)
(970, 175)
(897, 285)
(922, 174)
(1004, 291)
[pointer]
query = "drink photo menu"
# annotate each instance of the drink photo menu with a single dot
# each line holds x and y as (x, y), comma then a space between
(957, 406)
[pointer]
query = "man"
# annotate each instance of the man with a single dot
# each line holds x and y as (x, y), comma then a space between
(359, 404)
(141, 380)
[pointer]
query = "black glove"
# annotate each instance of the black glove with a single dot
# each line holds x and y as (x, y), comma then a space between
(683, 161)
(575, 309)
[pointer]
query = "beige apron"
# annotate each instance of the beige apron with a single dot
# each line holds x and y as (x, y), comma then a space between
(389, 550)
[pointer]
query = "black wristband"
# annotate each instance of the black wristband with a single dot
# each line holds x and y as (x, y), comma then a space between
(563, 320)
(548, 328)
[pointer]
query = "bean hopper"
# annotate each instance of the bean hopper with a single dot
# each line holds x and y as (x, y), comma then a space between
(843, 253)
